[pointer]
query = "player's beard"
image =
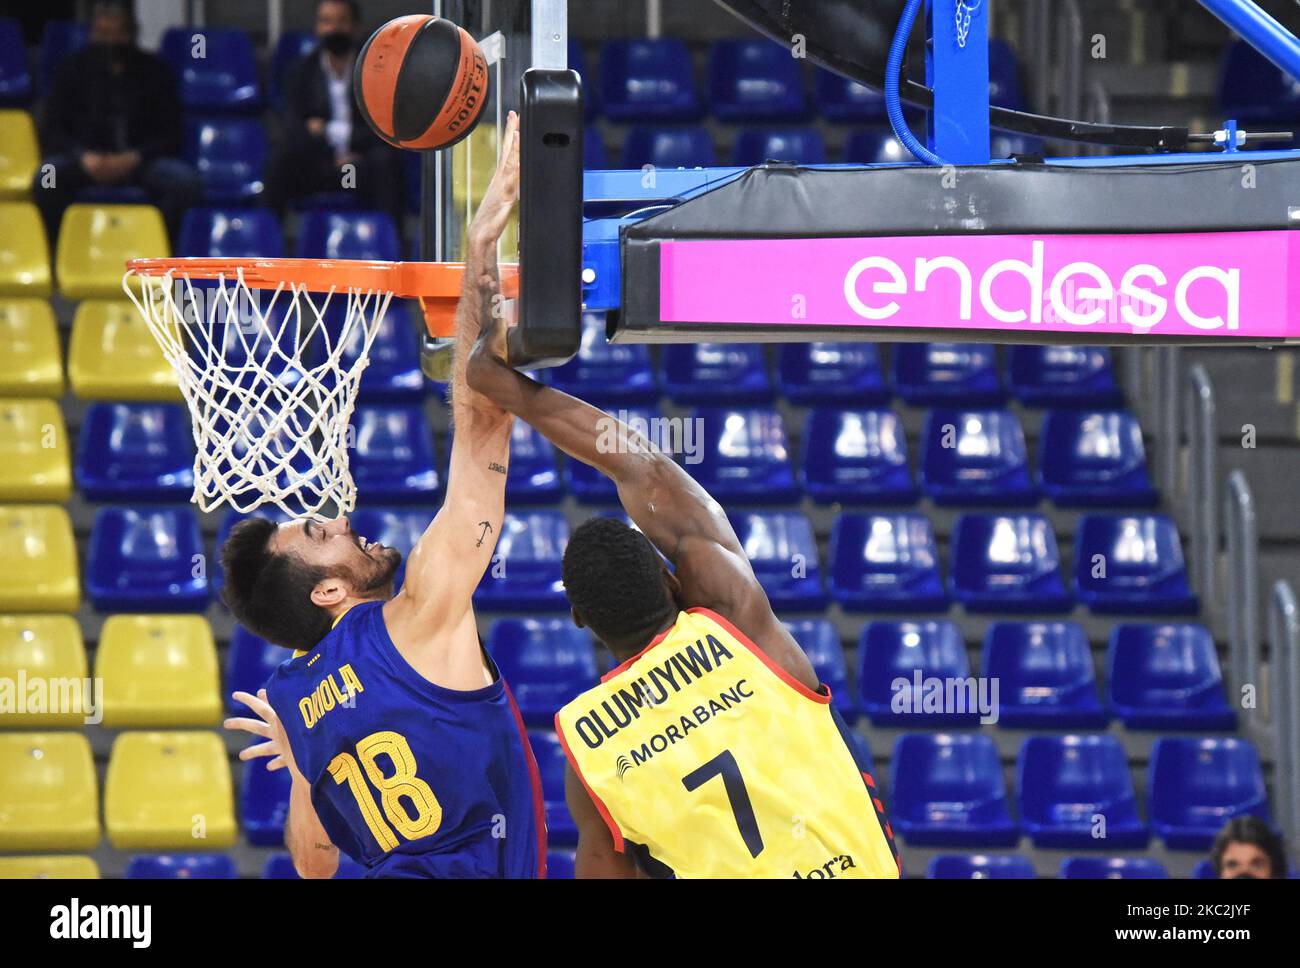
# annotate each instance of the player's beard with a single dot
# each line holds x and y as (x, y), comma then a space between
(376, 576)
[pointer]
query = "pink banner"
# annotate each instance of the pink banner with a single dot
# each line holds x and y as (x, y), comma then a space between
(1189, 285)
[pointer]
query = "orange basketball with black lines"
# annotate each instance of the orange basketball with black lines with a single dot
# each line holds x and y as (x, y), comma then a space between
(421, 82)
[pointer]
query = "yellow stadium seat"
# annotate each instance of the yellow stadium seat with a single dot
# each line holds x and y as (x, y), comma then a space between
(24, 251)
(20, 155)
(158, 670)
(38, 560)
(48, 794)
(169, 791)
(56, 867)
(31, 364)
(44, 658)
(113, 356)
(35, 457)
(95, 241)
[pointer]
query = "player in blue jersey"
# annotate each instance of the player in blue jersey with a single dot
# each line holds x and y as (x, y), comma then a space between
(405, 747)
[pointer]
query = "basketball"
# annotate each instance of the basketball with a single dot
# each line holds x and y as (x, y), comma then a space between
(421, 82)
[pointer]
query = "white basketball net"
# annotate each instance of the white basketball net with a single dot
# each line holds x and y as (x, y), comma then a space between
(270, 377)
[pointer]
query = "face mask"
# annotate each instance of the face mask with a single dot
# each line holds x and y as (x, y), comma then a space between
(337, 42)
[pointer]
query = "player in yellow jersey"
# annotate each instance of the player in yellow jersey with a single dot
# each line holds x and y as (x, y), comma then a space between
(711, 750)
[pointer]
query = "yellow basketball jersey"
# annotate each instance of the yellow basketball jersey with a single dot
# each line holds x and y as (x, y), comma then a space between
(708, 754)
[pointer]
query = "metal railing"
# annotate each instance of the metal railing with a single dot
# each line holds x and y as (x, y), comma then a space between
(1241, 582)
(1284, 673)
(1202, 480)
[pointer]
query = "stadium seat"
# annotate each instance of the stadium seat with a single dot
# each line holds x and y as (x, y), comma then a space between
(158, 671)
(19, 154)
(813, 374)
(222, 78)
(948, 791)
(1198, 785)
(135, 452)
(821, 643)
(1254, 90)
(35, 461)
(49, 867)
(1076, 792)
(843, 101)
(730, 373)
(545, 661)
(876, 146)
(44, 648)
(1063, 376)
(264, 803)
(393, 371)
(32, 364)
(782, 548)
(885, 563)
(743, 456)
(560, 828)
(802, 146)
(1131, 564)
(613, 373)
(559, 865)
(230, 155)
(48, 792)
(980, 867)
(525, 572)
(590, 486)
(648, 80)
(1167, 677)
(1007, 563)
(59, 40)
(533, 476)
(95, 241)
(399, 528)
(183, 867)
(394, 459)
(892, 651)
(113, 356)
(1046, 674)
(15, 75)
(756, 80)
(24, 252)
(1112, 868)
(679, 146)
(947, 374)
(280, 867)
(38, 571)
(146, 560)
(1094, 458)
(856, 457)
(250, 663)
(231, 233)
(292, 47)
(159, 782)
(976, 457)
(326, 234)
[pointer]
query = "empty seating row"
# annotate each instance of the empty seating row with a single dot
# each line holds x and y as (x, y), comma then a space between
(1002, 866)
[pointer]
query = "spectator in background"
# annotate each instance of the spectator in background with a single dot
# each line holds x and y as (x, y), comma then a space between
(1247, 848)
(323, 131)
(113, 118)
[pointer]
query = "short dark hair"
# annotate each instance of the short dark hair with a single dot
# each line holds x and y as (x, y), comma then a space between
(353, 6)
(116, 8)
(614, 579)
(269, 593)
(1253, 831)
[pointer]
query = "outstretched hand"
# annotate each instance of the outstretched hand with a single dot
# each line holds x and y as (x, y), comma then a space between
(493, 214)
(268, 727)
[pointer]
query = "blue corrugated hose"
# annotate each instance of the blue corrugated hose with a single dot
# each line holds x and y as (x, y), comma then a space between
(893, 74)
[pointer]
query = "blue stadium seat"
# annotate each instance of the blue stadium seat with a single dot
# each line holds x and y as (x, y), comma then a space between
(843, 101)
(135, 452)
(886, 563)
(577, 61)
(292, 46)
(280, 867)
(394, 456)
(533, 476)
(856, 457)
(1069, 785)
(398, 528)
(230, 155)
(1063, 376)
(251, 662)
(612, 373)
(730, 373)
(648, 80)
(559, 865)
(1253, 90)
(976, 457)
(1004, 76)
(326, 234)
(59, 40)
(1094, 458)
(1007, 563)
(264, 803)
(948, 791)
(180, 867)
(802, 146)
(1046, 674)
(947, 374)
(756, 80)
(560, 828)
(893, 651)
(1204, 871)
(744, 457)
(980, 867)
(810, 374)
(1167, 677)
(1143, 571)
(783, 550)
(1112, 868)
(546, 662)
(590, 486)
(594, 156)
(1198, 785)
(525, 572)
(821, 643)
(231, 233)
(876, 146)
(224, 78)
(393, 371)
(15, 74)
(682, 146)
(146, 561)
